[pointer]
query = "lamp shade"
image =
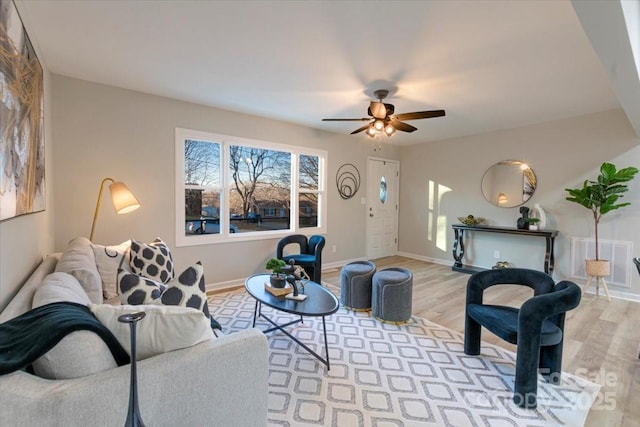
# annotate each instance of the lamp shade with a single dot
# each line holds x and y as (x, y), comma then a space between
(123, 200)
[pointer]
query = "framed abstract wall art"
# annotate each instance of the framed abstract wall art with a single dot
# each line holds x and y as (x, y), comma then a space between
(22, 184)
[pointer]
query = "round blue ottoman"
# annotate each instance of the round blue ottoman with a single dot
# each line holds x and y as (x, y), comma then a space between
(391, 294)
(355, 285)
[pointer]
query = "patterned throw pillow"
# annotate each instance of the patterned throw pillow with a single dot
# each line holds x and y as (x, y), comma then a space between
(152, 261)
(136, 289)
(187, 291)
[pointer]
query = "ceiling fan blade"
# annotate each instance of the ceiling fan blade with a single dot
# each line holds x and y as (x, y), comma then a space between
(404, 127)
(364, 119)
(360, 129)
(419, 115)
(377, 109)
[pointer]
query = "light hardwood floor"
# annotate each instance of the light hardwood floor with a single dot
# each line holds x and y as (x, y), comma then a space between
(602, 339)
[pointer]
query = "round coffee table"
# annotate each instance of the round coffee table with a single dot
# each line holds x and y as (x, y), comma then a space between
(320, 302)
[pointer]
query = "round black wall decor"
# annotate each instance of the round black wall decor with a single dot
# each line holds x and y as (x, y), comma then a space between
(347, 180)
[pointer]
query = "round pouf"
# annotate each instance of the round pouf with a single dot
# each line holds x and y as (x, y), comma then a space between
(391, 299)
(355, 285)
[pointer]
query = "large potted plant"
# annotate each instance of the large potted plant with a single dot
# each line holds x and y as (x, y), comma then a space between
(601, 197)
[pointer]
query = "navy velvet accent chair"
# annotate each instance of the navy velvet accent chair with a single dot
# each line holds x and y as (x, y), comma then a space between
(537, 327)
(309, 254)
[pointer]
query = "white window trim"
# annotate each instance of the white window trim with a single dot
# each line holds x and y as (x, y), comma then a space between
(182, 134)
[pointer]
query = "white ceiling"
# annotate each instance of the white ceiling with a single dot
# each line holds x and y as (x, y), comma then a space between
(490, 64)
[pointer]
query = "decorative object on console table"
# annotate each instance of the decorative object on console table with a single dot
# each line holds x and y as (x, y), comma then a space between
(538, 212)
(123, 200)
(134, 419)
(532, 223)
(522, 223)
(600, 197)
(471, 220)
(461, 230)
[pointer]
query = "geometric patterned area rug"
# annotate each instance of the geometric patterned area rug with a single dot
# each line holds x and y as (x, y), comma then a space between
(382, 374)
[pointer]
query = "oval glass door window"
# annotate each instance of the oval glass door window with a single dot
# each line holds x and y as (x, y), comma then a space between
(383, 189)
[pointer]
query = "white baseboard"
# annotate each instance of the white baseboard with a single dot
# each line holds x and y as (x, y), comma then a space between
(426, 258)
(613, 294)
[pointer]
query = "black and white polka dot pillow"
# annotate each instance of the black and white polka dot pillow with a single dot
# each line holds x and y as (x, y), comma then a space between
(188, 290)
(153, 261)
(136, 289)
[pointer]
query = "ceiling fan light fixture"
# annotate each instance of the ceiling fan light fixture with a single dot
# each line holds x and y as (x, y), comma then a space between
(371, 131)
(381, 116)
(389, 130)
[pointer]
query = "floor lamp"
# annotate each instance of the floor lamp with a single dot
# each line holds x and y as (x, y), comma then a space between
(123, 200)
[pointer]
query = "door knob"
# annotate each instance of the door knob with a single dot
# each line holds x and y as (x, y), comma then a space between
(371, 215)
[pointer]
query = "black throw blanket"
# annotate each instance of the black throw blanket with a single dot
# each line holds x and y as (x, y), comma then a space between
(29, 336)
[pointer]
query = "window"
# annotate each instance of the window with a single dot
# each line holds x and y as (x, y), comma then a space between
(231, 189)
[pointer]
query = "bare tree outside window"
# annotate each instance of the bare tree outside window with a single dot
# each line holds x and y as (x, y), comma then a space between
(308, 180)
(202, 187)
(260, 185)
(227, 185)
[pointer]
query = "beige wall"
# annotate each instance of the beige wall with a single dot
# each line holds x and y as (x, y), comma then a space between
(104, 131)
(24, 240)
(93, 131)
(562, 153)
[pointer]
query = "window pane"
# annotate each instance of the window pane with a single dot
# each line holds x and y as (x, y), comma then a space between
(202, 187)
(201, 163)
(309, 172)
(383, 190)
(260, 194)
(308, 208)
(202, 212)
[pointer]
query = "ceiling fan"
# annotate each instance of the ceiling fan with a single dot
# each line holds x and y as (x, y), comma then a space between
(383, 120)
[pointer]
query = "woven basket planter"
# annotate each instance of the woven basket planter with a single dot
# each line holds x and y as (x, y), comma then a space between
(598, 268)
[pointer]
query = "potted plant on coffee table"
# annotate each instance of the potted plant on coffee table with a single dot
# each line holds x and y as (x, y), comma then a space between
(277, 279)
(601, 197)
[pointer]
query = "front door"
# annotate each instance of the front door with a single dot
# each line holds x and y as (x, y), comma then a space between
(382, 208)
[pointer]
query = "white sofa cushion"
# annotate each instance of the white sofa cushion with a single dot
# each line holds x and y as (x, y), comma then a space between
(164, 328)
(108, 259)
(79, 261)
(57, 287)
(80, 353)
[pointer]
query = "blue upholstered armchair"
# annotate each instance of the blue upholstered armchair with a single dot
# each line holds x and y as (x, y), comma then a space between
(537, 327)
(309, 254)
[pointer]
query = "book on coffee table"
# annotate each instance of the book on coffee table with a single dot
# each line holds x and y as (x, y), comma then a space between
(278, 291)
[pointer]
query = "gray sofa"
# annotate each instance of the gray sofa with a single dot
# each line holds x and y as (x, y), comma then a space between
(221, 381)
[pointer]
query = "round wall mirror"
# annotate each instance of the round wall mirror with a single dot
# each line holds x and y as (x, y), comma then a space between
(509, 183)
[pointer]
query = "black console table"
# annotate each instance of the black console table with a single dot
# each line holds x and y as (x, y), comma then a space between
(458, 244)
